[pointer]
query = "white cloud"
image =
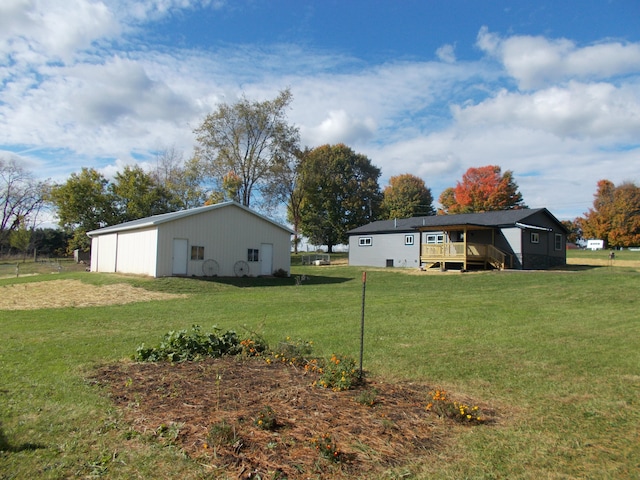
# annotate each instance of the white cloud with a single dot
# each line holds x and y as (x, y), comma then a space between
(122, 88)
(537, 61)
(447, 53)
(599, 110)
(149, 10)
(37, 30)
(340, 127)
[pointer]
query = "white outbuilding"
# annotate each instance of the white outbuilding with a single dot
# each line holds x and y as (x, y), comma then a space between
(226, 239)
(595, 244)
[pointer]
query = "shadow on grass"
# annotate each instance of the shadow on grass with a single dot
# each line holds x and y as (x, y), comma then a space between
(575, 268)
(293, 280)
(5, 446)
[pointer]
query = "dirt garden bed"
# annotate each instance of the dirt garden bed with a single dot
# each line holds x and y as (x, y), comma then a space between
(210, 409)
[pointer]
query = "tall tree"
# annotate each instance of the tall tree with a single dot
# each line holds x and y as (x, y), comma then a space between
(21, 197)
(286, 187)
(83, 203)
(447, 201)
(341, 192)
(574, 229)
(615, 216)
(50, 241)
(407, 196)
(136, 195)
(246, 139)
(181, 179)
(482, 189)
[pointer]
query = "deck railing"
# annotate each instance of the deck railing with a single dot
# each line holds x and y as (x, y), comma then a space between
(496, 257)
(455, 252)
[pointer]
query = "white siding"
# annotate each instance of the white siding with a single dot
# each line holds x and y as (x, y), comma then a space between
(513, 236)
(104, 253)
(137, 252)
(226, 235)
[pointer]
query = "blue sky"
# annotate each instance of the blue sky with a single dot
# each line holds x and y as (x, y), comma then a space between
(547, 89)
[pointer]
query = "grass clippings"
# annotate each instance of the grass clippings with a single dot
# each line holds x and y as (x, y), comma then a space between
(73, 293)
(195, 399)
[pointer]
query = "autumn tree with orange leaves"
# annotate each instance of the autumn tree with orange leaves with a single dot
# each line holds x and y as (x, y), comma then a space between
(482, 189)
(615, 216)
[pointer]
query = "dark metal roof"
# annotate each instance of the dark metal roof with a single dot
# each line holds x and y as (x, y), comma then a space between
(496, 219)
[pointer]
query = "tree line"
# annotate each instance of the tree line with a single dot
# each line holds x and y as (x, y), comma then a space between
(248, 152)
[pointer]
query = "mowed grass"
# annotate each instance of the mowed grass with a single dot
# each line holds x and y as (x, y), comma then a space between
(556, 354)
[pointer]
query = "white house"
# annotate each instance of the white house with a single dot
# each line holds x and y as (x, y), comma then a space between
(226, 239)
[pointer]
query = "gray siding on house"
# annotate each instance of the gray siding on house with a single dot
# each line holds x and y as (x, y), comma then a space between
(385, 250)
(508, 230)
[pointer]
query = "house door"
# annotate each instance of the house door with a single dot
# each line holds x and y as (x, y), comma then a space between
(180, 251)
(266, 260)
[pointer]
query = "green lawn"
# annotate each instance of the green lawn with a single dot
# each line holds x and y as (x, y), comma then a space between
(557, 354)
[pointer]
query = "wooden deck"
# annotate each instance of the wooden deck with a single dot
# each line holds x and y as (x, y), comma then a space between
(462, 253)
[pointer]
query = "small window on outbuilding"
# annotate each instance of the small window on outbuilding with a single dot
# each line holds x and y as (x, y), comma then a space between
(408, 239)
(365, 241)
(558, 241)
(197, 252)
(253, 255)
(535, 237)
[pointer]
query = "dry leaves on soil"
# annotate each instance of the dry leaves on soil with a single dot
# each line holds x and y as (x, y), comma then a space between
(193, 399)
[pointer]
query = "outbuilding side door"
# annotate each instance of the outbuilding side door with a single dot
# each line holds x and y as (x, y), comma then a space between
(180, 256)
(266, 260)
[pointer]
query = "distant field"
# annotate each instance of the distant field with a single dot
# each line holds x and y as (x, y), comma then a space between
(622, 258)
(556, 354)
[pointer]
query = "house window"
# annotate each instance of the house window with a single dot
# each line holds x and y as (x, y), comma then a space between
(435, 238)
(253, 255)
(365, 241)
(408, 239)
(558, 241)
(535, 237)
(197, 253)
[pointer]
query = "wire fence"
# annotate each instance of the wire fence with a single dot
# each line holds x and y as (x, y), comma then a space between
(15, 267)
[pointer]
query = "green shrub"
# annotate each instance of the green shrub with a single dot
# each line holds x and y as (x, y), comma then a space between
(190, 345)
(339, 373)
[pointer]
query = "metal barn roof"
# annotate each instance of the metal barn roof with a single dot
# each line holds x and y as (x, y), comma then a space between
(172, 216)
